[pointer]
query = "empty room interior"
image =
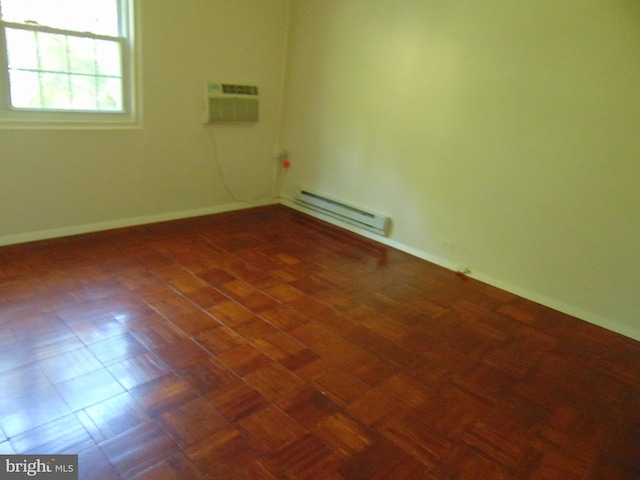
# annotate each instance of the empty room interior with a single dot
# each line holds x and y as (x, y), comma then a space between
(321, 239)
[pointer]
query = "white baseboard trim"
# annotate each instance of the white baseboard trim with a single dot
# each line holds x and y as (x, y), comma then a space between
(536, 297)
(373, 236)
(126, 222)
(555, 304)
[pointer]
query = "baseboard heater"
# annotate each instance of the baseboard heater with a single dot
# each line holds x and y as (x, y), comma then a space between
(355, 216)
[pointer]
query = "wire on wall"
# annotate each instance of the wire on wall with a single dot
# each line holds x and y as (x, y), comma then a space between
(216, 160)
(282, 165)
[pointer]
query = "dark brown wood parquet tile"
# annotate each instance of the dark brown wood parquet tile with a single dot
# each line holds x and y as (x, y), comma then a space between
(264, 344)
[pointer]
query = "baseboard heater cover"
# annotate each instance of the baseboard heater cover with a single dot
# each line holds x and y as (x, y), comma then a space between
(353, 215)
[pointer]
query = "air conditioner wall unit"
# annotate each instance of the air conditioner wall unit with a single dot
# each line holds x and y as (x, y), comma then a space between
(231, 103)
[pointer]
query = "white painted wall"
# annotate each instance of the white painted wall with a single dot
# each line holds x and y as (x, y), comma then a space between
(55, 182)
(508, 128)
(511, 129)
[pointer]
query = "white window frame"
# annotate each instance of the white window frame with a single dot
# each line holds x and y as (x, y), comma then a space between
(11, 117)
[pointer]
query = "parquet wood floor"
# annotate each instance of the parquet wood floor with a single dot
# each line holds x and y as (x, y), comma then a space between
(264, 344)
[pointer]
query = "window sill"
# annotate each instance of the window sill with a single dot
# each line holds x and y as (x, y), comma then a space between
(89, 122)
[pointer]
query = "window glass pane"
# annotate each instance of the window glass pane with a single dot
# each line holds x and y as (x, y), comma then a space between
(109, 94)
(54, 89)
(52, 52)
(108, 56)
(25, 89)
(83, 92)
(95, 82)
(82, 55)
(22, 49)
(96, 16)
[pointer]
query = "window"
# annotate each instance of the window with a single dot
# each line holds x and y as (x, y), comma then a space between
(66, 60)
